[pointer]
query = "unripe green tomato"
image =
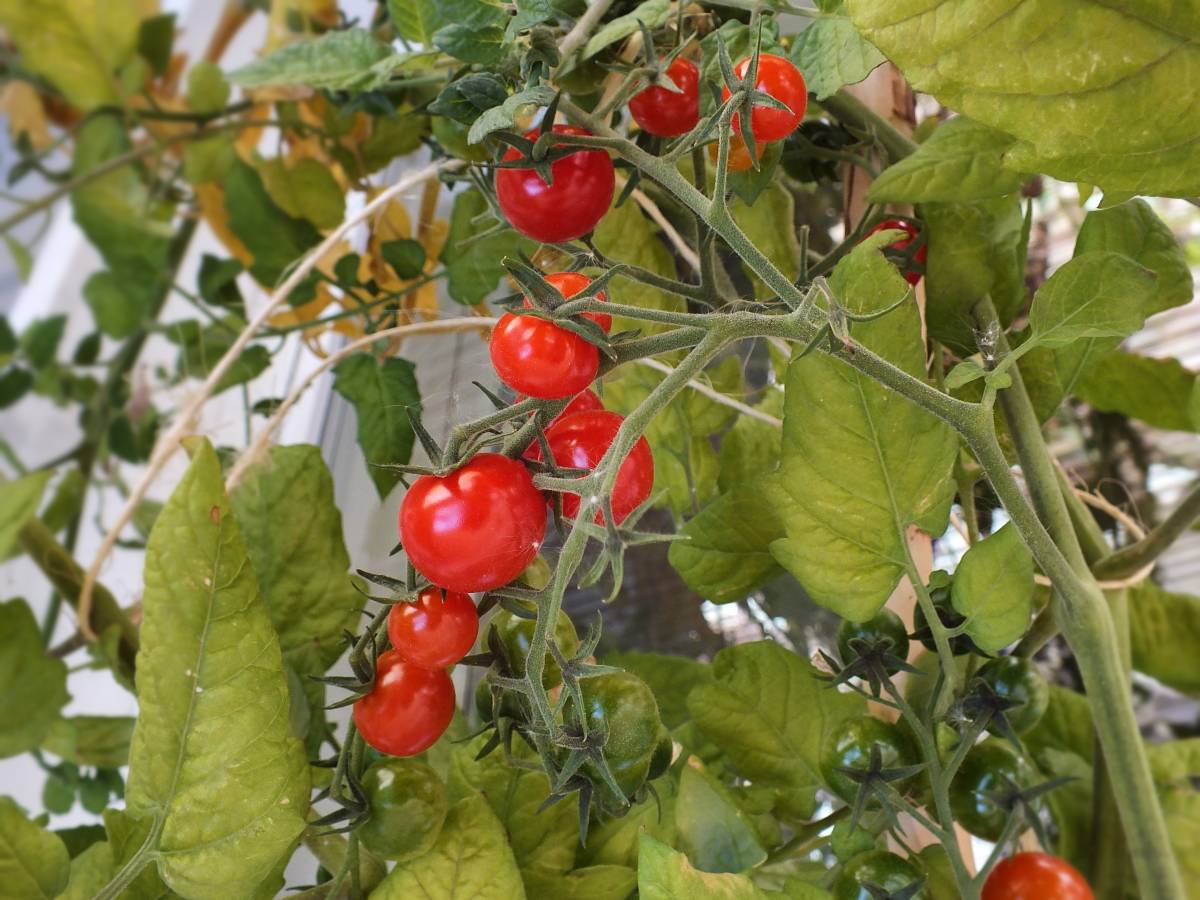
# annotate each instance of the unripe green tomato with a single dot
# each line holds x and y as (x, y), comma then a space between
(452, 136)
(1017, 679)
(990, 768)
(884, 629)
(849, 745)
(886, 872)
(516, 634)
(510, 703)
(408, 806)
(664, 749)
(623, 707)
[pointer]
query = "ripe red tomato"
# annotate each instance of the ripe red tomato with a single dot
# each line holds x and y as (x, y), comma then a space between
(540, 359)
(578, 198)
(476, 528)
(783, 81)
(911, 276)
(1035, 876)
(584, 401)
(407, 709)
(435, 630)
(738, 159)
(666, 113)
(571, 283)
(579, 441)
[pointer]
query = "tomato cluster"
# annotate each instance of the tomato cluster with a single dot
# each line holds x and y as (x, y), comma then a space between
(778, 78)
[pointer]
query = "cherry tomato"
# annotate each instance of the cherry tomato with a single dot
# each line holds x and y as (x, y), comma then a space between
(538, 358)
(739, 154)
(408, 806)
(875, 873)
(783, 81)
(407, 709)
(570, 207)
(1018, 680)
(664, 752)
(666, 113)
(476, 528)
(571, 283)
(579, 441)
(621, 706)
(910, 275)
(990, 771)
(584, 401)
(939, 591)
(435, 630)
(516, 634)
(1035, 876)
(849, 746)
(885, 632)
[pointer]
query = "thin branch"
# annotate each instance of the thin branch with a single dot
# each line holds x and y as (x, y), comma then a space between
(686, 253)
(185, 420)
(1128, 560)
(716, 396)
(583, 27)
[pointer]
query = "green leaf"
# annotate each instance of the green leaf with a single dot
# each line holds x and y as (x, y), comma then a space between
(860, 463)
(831, 54)
(960, 162)
(201, 350)
(419, 20)
(724, 553)
(542, 842)
(1157, 391)
(470, 859)
(14, 384)
(671, 678)
(713, 832)
(351, 60)
(769, 713)
(274, 238)
(472, 263)
(530, 13)
(770, 225)
(484, 46)
(213, 764)
(125, 836)
(1164, 635)
(209, 159)
(19, 502)
(33, 862)
(974, 249)
(505, 115)
(118, 312)
(751, 448)
(100, 741)
(653, 13)
(207, 89)
(1066, 725)
(614, 841)
(993, 589)
(91, 870)
(305, 190)
(1135, 230)
(589, 883)
(1064, 83)
(21, 256)
(33, 684)
(76, 46)
(665, 874)
(1095, 295)
(293, 530)
(381, 394)
(405, 256)
(39, 342)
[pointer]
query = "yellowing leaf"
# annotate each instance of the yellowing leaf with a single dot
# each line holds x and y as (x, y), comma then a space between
(22, 104)
(211, 200)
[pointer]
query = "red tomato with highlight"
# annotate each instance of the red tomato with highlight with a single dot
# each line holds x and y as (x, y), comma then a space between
(910, 275)
(584, 401)
(434, 631)
(538, 358)
(783, 81)
(666, 113)
(578, 197)
(475, 528)
(1035, 876)
(579, 441)
(407, 709)
(571, 283)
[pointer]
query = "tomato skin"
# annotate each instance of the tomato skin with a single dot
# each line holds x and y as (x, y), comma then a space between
(783, 81)
(849, 745)
(475, 528)
(580, 195)
(1035, 876)
(910, 275)
(1018, 680)
(516, 634)
(885, 871)
(434, 631)
(665, 113)
(571, 283)
(884, 627)
(623, 707)
(407, 709)
(579, 441)
(738, 159)
(538, 358)
(990, 768)
(408, 806)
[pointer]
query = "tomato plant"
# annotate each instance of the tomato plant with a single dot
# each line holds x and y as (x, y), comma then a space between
(435, 630)
(515, 634)
(858, 750)
(984, 792)
(477, 527)
(407, 708)
(1017, 682)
